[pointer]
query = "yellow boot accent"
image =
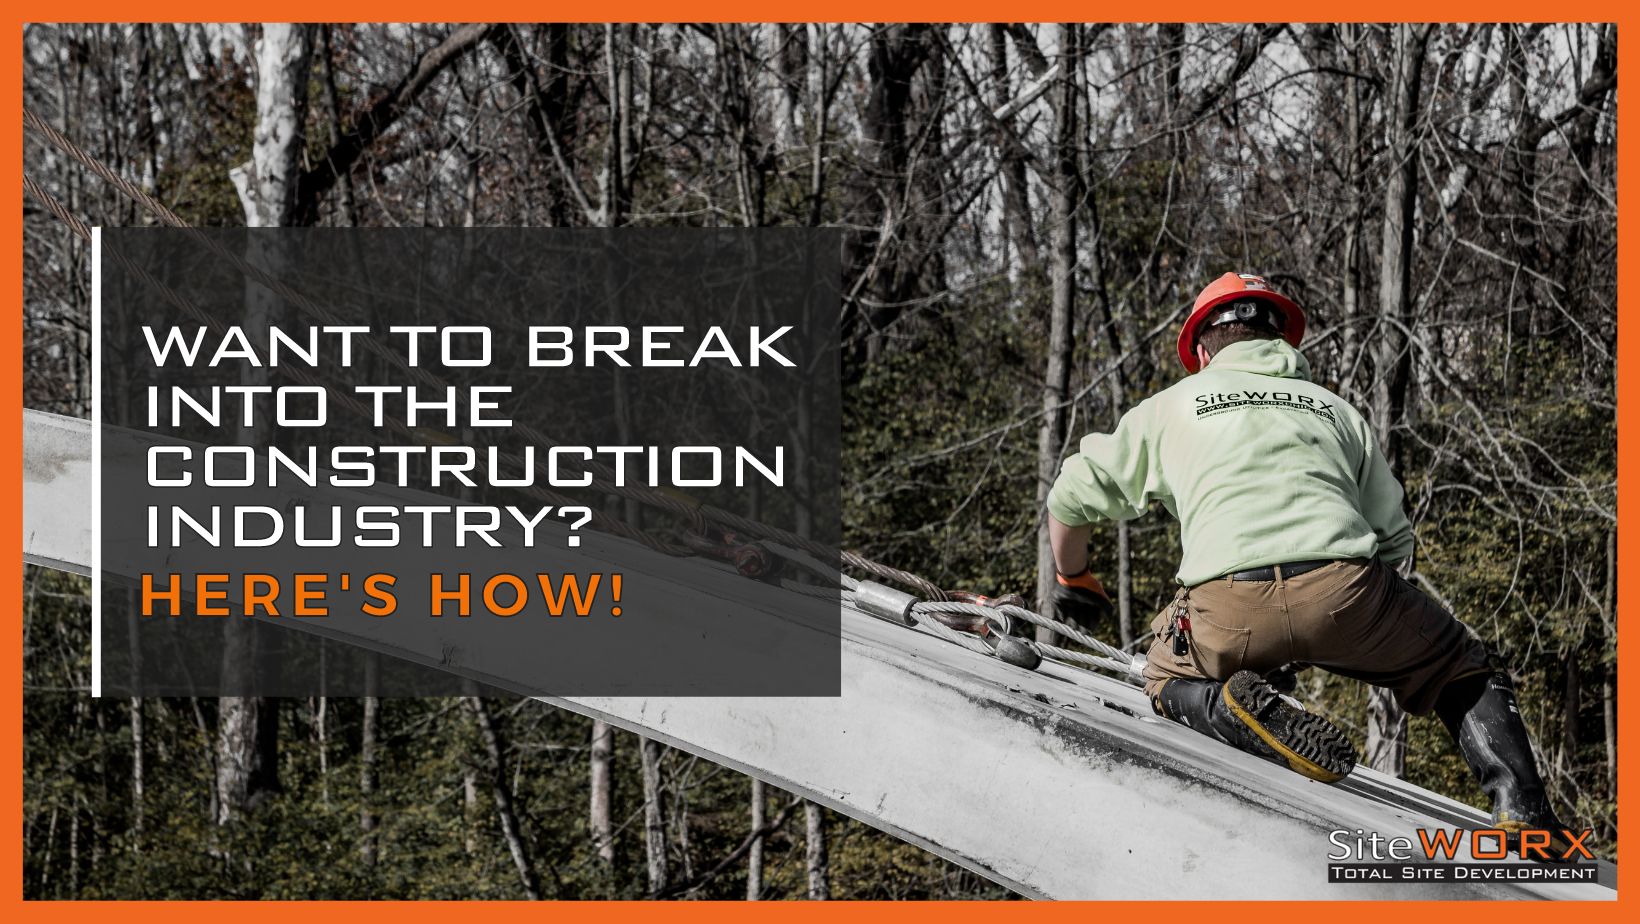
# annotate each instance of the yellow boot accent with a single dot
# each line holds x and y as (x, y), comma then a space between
(1298, 762)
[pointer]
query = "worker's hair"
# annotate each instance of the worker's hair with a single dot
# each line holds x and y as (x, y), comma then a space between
(1221, 336)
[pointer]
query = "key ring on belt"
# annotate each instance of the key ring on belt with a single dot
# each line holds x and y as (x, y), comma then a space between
(1181, 624)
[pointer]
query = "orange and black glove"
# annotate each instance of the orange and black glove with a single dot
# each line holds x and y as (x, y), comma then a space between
(1080, 598)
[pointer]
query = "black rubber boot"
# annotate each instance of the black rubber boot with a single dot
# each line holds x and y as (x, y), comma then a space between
(1481, 713)
(1248, 714)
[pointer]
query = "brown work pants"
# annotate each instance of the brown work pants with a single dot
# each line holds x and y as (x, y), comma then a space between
(1357, 618)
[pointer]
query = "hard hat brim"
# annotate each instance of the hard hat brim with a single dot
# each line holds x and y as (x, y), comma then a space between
(1293, 321)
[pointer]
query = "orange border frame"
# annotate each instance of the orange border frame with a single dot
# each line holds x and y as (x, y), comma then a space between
(11, 731)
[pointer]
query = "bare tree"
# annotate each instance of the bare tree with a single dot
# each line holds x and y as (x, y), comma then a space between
(1392, 343)
(1065, 193)
(754, 853)
(599, 758)
(367, 763)
(816, 860)
(654, 814)
(248, 726)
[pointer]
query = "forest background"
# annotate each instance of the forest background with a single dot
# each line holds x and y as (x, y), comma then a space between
(1028, 211)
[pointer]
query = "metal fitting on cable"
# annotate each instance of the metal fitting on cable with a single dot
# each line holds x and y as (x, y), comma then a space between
(1018, 652)
(885, 602)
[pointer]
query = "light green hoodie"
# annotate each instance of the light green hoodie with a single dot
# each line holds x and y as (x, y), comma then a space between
(1260, 465)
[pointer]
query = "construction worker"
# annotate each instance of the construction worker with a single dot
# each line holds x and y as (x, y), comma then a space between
(1292, 525)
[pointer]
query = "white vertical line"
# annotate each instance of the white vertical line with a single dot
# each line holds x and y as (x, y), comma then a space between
(96, 461)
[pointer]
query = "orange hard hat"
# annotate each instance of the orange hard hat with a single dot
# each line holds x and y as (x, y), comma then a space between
(1235, 287)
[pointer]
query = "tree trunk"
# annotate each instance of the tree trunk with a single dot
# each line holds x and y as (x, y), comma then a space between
(247, 729)
(350, 208)
(267, 184)
(791, 54)
(815, 857)
(1124, 583)
(1050, 437)
(895, 54)
(321, 732)
(74, 851)
(680, 825)
(247, 754)
(469, 811)
(367, 764)
(611, 214)
(1116, 392)
(654, 814)
(1350, 36)
(1019, 230)
(618, 152)
(547, 110)
(1391, 351)
(598, 803)
(136, 772)
(754, 854)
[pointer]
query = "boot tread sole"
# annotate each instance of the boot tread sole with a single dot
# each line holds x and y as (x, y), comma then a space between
(1310, 744)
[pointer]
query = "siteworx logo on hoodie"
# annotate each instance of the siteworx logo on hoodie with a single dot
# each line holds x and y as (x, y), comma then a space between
(1220, 402)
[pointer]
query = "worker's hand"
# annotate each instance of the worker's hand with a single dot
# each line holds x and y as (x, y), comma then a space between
(1080, 598)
